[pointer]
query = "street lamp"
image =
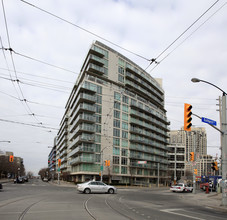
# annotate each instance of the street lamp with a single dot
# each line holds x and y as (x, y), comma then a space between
(223, 140)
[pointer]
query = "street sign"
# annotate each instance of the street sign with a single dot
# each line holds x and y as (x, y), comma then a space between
(209, 121)
(142, 162)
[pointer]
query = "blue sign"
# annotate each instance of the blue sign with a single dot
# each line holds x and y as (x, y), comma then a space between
(209, 121)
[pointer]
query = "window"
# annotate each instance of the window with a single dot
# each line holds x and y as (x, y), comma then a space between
(115, 169)
(124, 134)
(121, 62)
(120, 78)
(115, 160)
(98, 109)
(125, 116)
(121, 70)
(124, 161)
(124, 170)
(117, 96)
(98, 119)
(99, 99)
(139, 172)
(116, 132)
(125, 125)
(124, 143)
(133, 102)
(97, 158)
(97, 147)
(116, 123)
(116, 151)
(98, 128)
(99, 89)
(117, 114)
(117, 105)
(98, 138)
(124, 152)
(125, 99)
(116, 141)
(124, 108)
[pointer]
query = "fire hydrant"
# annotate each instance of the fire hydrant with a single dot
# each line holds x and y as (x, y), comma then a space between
(207, 189)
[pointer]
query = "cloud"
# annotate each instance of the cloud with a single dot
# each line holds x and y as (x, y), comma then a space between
(143, 27)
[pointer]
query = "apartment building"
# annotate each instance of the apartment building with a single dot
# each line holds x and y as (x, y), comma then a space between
(52, 158)
(114, 113)
(181, 144)
(194, 141)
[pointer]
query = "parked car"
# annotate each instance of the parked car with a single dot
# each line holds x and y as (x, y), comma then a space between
(181, 187)
(19, 180)
(45, 179)
(25, 178)
(96, 187)
(1, 187)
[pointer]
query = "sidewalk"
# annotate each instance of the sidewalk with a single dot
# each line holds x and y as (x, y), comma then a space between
(212, 200)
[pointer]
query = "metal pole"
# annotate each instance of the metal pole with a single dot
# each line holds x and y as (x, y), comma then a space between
(175, 166)
(101, 164)
(194, 166)
(158, 174)
(224, 151)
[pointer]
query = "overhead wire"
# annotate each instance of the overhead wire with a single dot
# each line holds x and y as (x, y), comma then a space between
(37, 60)
(44, 77)
(33, 125)
(188, 36)
(154, 60)
(86, 30)
(14, 68)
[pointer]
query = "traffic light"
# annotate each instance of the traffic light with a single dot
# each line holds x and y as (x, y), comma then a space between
(192, 156)
(187, 117)
(215, 165)
(11, 158)
(59, 162)
(107, 163)
(195, 171)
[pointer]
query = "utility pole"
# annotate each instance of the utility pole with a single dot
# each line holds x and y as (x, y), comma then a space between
(224, 151)
(223, 132)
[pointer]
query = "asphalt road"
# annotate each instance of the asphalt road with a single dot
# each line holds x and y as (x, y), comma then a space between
(40, 200)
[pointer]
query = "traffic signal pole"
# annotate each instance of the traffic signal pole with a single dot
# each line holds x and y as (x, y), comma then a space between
(224, 151)
(223, 132)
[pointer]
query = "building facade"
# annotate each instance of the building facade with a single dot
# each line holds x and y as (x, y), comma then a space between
(115, 113)
(194, 141)
(181, 144)
(52, 158)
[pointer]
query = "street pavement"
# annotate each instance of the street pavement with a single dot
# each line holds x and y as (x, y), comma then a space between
(211, 199)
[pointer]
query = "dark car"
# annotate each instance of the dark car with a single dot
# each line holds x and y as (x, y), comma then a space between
(19, 180)
(25, 178)
(1, 186)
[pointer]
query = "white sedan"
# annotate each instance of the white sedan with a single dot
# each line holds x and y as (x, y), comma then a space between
(95, 187)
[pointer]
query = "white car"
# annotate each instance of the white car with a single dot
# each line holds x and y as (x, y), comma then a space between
(181, 187)
(95, 187)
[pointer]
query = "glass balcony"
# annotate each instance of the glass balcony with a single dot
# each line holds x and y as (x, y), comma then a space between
(82, 159)
(96, 69)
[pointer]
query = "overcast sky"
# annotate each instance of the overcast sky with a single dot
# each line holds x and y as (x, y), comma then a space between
(144, 27)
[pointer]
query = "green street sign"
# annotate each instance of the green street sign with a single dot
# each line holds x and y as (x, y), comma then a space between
(102, 168)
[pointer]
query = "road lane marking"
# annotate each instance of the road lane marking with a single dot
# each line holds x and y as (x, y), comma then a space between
(174, 212)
